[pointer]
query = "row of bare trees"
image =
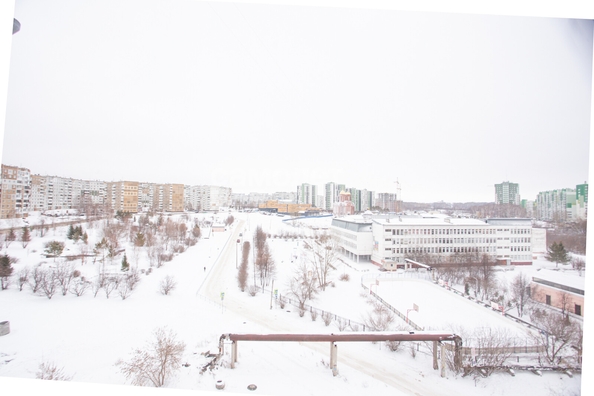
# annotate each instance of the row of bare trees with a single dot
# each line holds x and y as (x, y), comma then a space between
(264, 264)
(312, 274)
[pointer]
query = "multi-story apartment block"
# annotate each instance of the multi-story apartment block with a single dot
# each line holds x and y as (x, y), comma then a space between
(15, 191)
(332, 194)
(387, 201)
(507, 193)
(307, 194)
(122, 196)
(173, 197)
(366, 201)
(552, 205)
(209, 198)
(437, 239)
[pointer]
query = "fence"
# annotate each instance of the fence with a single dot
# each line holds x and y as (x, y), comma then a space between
(515, 349)
(341, 322)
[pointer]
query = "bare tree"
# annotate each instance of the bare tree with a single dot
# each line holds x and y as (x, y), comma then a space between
(36, 278)
(557, 334)
(578, 263)
(565, 302)
(302, 284)
(494, 346)
(167, 285)
(156, 362)
(321, 253)
(242, 274)
(265, 265)
(64, 272)
(520, 291)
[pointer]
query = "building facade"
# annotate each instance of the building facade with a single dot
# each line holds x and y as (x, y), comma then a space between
(15, 191)
(507, 193)
(439, 239)
(307, 194)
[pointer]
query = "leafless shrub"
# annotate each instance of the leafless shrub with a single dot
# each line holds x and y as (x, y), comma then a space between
(282, 302)
(314, 314)
(327, 318)
(127, 284)
(23, 277)
(179, 249)
(413, 349)
(36, 278)
(111, 283)
(49, 371)
(49, 283)
(341, 323)
(167, 285)
(393, 345)
(252, 290)
(133, 277)
(79, 287)
(98, 283)
(380, 318)
(156, 362)
(344, 277)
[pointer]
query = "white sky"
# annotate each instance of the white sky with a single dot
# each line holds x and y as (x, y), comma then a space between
(263, 97)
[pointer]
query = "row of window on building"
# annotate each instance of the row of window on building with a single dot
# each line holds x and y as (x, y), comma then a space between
(22, 192)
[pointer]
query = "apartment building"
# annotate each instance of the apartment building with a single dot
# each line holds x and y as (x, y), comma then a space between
(388, 202)
(308, 194)
(507, 193)
(122, 196)
(173, 197)
(15, 191)
(209, 198)
(555, 205)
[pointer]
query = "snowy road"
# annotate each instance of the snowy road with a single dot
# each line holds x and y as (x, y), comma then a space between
(222, 278)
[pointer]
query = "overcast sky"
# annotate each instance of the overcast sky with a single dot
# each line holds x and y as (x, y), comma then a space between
(264, 97)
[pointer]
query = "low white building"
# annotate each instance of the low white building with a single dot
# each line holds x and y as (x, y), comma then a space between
(391, 239)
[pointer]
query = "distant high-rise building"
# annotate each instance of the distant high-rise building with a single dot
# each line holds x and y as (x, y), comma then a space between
(331, 197)
(307, 194)
(553, 204)
(507, 193)
(387, 201)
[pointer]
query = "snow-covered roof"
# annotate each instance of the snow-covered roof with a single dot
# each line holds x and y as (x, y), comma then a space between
(433, 220)
(560, 278)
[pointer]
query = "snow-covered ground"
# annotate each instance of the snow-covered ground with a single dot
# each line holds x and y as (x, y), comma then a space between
(86, 335)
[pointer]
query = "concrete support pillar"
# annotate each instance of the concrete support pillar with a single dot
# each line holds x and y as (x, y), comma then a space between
(443, 360)
(233, 353)
(435, 366)
(333, 357)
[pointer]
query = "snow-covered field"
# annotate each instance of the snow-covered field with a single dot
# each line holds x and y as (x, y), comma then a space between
(86, 335)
